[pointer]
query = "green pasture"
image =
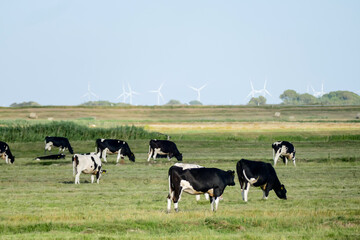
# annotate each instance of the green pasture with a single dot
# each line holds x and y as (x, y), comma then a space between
(40, 201)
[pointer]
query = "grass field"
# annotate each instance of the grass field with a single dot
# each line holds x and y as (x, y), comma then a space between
(40, 201)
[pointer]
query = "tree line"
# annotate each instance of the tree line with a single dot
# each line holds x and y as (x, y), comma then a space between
(291, 97)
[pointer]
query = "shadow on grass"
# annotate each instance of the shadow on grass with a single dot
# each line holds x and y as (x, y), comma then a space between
(48, 162)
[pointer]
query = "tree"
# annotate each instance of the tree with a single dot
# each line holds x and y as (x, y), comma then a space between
(257, 101)
(174, 102)
(307, 99)
(195, 102)
(289, 97)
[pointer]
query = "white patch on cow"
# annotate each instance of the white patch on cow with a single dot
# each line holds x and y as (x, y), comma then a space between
(48, 146)
(188, 188)
(102, 140)
(123, 142)
(158, 151)
(185, 166)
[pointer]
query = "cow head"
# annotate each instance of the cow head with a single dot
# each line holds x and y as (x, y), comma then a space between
(179, 157)
(131, 157)
(281, 192)
(12, 159)
(231, 176)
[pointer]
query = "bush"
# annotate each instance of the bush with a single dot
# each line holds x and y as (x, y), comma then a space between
(24, 132)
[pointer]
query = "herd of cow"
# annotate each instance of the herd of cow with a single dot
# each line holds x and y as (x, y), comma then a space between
(190, 178)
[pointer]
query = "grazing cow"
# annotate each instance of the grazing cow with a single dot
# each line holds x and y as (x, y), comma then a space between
(198, 181)
(258, 174)
(163, 147)
(5, 151)
(114, 146)
(60, 142)
(88, 164)
(54, 156)
(285, 150)
(188, 166)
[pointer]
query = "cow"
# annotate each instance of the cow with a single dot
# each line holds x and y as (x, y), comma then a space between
(61, 142)
(285, 150)
(5, 152)
(258, 174)
(54, 156)
(163, 147)
(114, 146)
(88, 164)
(188, 166)
(198, 181)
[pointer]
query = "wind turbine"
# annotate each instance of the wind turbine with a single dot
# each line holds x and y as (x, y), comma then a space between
(123, 95)
(252, 92)
(320, 93)
(159, 95)
(264, 91)
(90, 93)
(198, 90)
(130, 94)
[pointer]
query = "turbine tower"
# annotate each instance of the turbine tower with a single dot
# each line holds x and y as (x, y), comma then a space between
(264, 91)
(320, 93)
(123, 95)
(159, 95)
(130, 94)
(198, 90)
(90, 94)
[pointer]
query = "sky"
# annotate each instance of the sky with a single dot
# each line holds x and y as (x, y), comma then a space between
(52, 50)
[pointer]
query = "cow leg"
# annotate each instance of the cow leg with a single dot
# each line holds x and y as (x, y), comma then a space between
(104, 155)
(217, 199)
(155, 154)
(246, 191)
(294, 162)
(265, 194)
(77, 177)
(277, 155)
(92, 178)
(6, 158)
(197, 197)
(118, 156)
(206, 196)
(168, 157)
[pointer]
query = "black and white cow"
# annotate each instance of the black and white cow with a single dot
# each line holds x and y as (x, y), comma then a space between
(198, 181)
(258, 174)
(88, 164)
(114, 146)
(48, 157)
(5, 151)
(61, 142)
(285, 150)
(188, 166)
(163, 147)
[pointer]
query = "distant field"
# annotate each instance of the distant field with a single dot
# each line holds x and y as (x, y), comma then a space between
(40, 201)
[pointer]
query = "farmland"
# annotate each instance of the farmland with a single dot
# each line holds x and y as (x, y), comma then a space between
(40, 201)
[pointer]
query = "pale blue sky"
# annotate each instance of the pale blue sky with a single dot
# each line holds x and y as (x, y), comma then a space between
(50, 50)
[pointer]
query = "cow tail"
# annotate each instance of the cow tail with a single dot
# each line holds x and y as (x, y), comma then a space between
(75, 161)
(70, 149)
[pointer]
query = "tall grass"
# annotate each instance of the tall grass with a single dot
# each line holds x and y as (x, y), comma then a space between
(25, 132)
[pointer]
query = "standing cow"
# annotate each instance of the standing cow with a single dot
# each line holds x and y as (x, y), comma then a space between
(88, 164)
(198, 181)
(258, 174)
(188, 166)
(284, 150)
(5, 151)
(163, 147)
(114, 146)
(61, 142)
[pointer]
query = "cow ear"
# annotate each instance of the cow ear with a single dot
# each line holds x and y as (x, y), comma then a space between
(282, 187)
